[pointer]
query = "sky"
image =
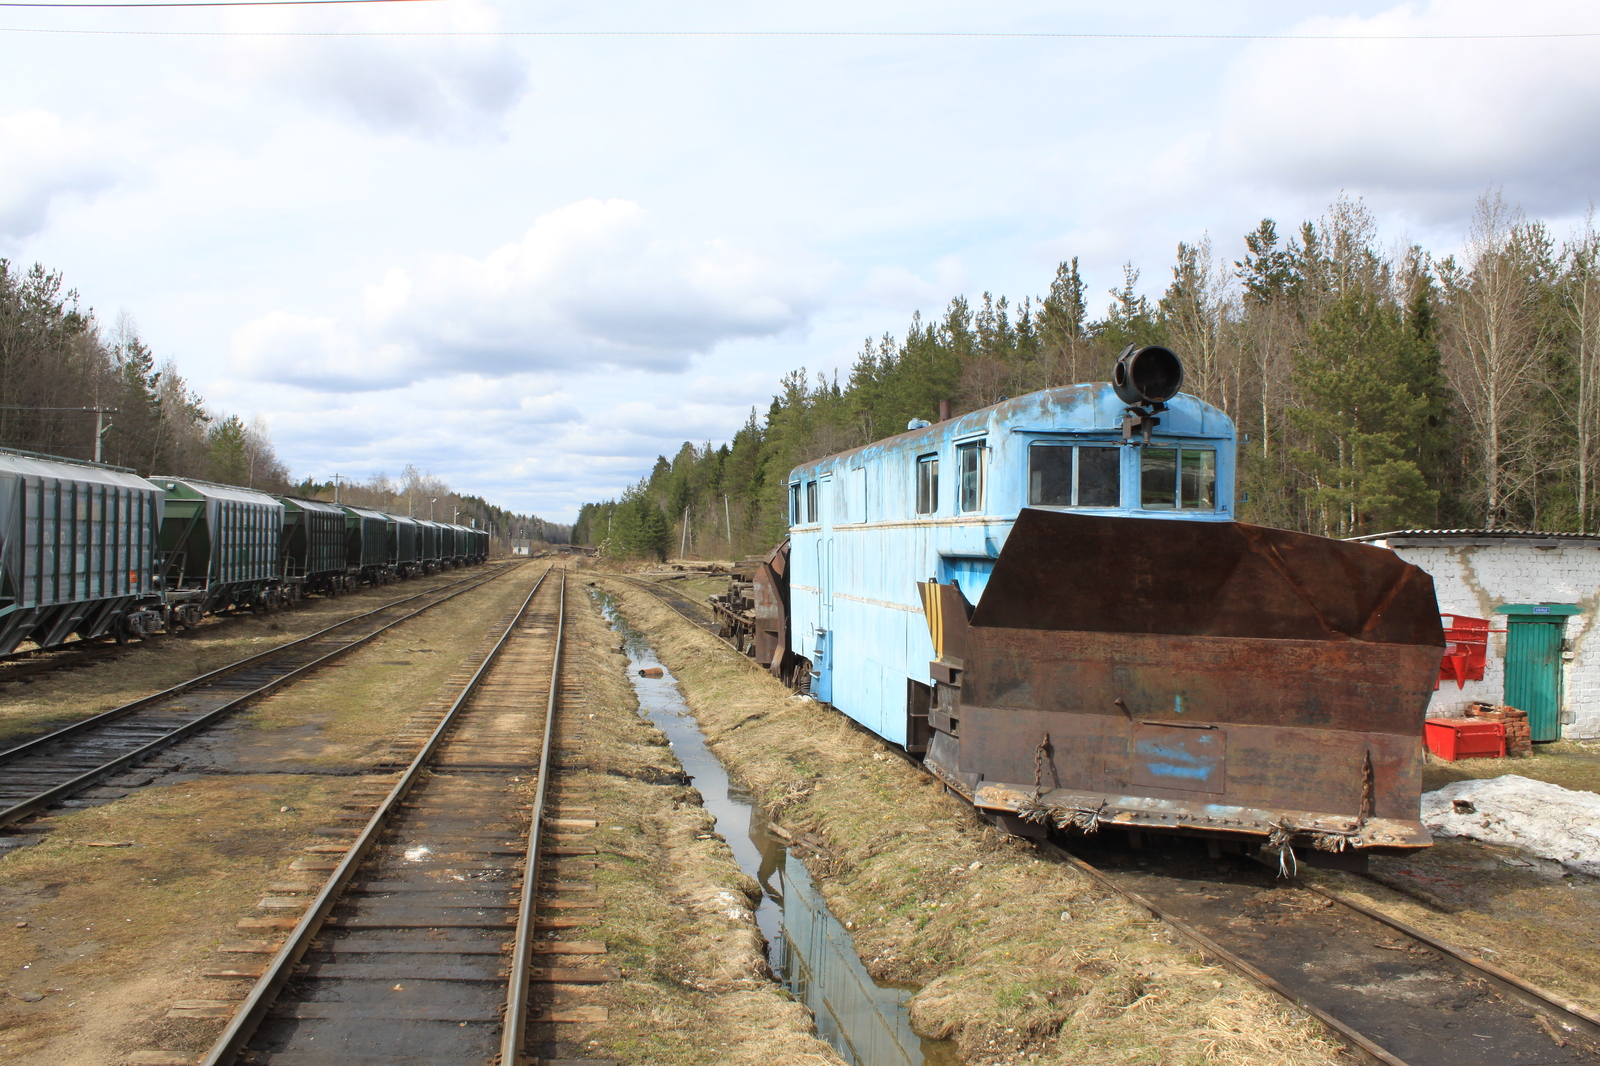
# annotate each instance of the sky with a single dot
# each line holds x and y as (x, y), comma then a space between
(528, 247)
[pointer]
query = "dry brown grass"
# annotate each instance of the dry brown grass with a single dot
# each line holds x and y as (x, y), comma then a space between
(114, 935)
(124, 932)
(677, 919)
(1020, 959)
(32, 706)
(1573, 764)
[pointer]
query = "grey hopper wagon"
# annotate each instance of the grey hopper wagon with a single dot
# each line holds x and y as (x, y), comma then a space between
(313, 546)
(219, 548)
(77, 542)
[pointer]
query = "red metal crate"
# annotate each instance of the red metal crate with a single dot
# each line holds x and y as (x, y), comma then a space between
(1465, 738)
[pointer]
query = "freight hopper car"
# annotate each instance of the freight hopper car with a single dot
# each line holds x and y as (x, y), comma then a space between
(367, 547)
(1051, 601)
(404, 546)
(220, 549)
(77, 543)
(313, 547)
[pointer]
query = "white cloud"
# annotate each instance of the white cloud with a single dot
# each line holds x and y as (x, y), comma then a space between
(591, 284)
(41, 160)
(1419, 118)
(440, 87)
(451, 91)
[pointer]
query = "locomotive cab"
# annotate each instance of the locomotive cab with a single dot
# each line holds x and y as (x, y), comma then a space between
(1050, 599)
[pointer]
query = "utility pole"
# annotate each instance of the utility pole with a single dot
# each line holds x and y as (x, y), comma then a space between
(683, 550)
(431, 502)
(336, 479)
(100, 427)
(729, 517)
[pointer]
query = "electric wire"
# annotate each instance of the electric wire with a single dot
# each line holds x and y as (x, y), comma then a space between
(1355, 38)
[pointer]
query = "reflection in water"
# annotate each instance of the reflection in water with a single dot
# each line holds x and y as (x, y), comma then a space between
(809, 950)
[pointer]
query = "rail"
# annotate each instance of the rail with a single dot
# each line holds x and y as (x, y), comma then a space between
(452, 762)
(54, 752)
(516, 1014)
(231, 1042)
(1554, 1019)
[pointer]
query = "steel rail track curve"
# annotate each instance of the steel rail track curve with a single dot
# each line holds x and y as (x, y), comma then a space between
(1554, 1020)
(462, 765)
(77, 756)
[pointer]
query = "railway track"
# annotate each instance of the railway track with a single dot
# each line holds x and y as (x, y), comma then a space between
(19, 665)
(431, 940)
(23, 664)
(1397, 995)
(48, 769)
(690, 610)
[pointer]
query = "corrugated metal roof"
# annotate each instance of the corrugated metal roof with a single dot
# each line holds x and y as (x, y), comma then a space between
(1519, 533)
(19, 462)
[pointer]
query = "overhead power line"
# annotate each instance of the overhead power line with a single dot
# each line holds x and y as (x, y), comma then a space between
(884, 34)
(217, 3)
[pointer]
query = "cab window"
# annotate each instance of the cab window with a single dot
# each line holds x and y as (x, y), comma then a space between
(1178, 479)
(970, 475)
(812, 514)
(927, 484)
(1085, 475)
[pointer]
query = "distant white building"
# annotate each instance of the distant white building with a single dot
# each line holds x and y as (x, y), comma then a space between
(521, 547)
(1540, 593)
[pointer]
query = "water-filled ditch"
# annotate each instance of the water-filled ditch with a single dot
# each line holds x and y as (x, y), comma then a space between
(810, 952)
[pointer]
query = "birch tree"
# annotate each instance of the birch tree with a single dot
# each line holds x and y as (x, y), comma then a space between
(1492, 346)
(1582, 311)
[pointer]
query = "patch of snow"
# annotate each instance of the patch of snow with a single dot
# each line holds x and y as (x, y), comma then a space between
(418, 854)
(1540, 818)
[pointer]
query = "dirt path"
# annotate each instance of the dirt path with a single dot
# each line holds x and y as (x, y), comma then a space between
(1020, 960)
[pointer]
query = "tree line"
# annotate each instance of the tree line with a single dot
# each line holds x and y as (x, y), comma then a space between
(64, 377)
(58, 365)
(1379, 388)
(423, 495)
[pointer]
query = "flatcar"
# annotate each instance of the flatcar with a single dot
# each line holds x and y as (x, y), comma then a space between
(1051, 602)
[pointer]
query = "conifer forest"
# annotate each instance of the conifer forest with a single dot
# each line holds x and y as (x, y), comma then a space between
(1380, 387)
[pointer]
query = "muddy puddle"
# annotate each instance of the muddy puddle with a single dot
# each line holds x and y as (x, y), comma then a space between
(810, 952)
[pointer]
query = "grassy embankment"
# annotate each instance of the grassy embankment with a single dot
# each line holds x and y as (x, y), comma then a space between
(1020, 959)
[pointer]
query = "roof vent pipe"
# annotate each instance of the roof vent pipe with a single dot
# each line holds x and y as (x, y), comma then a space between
(944, 410)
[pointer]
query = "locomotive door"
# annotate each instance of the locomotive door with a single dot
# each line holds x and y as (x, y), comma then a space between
(822, 651)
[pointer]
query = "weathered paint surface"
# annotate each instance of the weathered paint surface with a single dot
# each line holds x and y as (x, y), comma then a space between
(76, 544)
(1256, 668)
(219, 541)
(1119, 665)
(855, 562)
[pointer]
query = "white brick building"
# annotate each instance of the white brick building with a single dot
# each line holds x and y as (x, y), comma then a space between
(1540, 591)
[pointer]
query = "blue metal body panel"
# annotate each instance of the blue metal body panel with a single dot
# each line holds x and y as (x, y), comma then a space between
(857, 556)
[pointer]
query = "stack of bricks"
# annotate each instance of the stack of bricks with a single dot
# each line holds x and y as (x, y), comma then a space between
(1519, 737)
